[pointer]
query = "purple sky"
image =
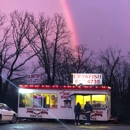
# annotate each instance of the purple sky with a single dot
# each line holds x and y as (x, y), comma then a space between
(97, 23)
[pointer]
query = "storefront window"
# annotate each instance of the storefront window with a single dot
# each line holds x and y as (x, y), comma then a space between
(25, 100)
(38, 100)
(53, 100)
(99, 100)
(45, 100)
(22, 100)
(87, 99)
(82, 99)
(28, 100)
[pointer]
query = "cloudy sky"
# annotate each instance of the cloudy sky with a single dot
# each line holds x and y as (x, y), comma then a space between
(97, 23)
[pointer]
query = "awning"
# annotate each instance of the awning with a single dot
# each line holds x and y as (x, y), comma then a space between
(83, 94)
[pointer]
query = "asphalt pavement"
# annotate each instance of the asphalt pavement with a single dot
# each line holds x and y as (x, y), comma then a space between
(61, 125)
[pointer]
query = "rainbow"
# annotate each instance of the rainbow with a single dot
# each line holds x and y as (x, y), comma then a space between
(70, 22)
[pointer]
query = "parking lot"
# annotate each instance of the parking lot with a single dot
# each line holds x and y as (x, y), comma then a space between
(59, 125)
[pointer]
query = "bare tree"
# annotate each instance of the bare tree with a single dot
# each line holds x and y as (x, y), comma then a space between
(78, 60)
(84, 62)
(4, 47)
(109, 59)
(16, 51)
(52, 35)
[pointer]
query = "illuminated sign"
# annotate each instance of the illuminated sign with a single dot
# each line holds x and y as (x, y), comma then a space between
(87, 79)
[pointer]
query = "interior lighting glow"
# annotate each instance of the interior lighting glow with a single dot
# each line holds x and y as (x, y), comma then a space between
(98, 98)
(39, 96)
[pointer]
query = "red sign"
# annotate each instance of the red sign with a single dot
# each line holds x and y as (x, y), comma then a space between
(64, 95)
(36, 112)
(34, 79)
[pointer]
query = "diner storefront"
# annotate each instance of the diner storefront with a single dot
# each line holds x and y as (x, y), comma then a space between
(57, 102)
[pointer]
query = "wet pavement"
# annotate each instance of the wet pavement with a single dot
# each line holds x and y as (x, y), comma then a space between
(55, 125)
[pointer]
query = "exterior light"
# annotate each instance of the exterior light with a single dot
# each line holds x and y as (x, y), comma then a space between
(25, 91)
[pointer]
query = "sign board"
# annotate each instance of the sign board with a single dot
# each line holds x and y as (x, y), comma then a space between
(34, 78)
(87, 79)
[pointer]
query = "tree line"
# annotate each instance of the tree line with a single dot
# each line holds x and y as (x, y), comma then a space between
(29, 43)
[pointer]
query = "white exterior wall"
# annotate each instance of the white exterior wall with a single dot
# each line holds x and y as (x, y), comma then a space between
(63, 112)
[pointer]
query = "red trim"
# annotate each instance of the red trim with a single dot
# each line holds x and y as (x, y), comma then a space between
(65, 87)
